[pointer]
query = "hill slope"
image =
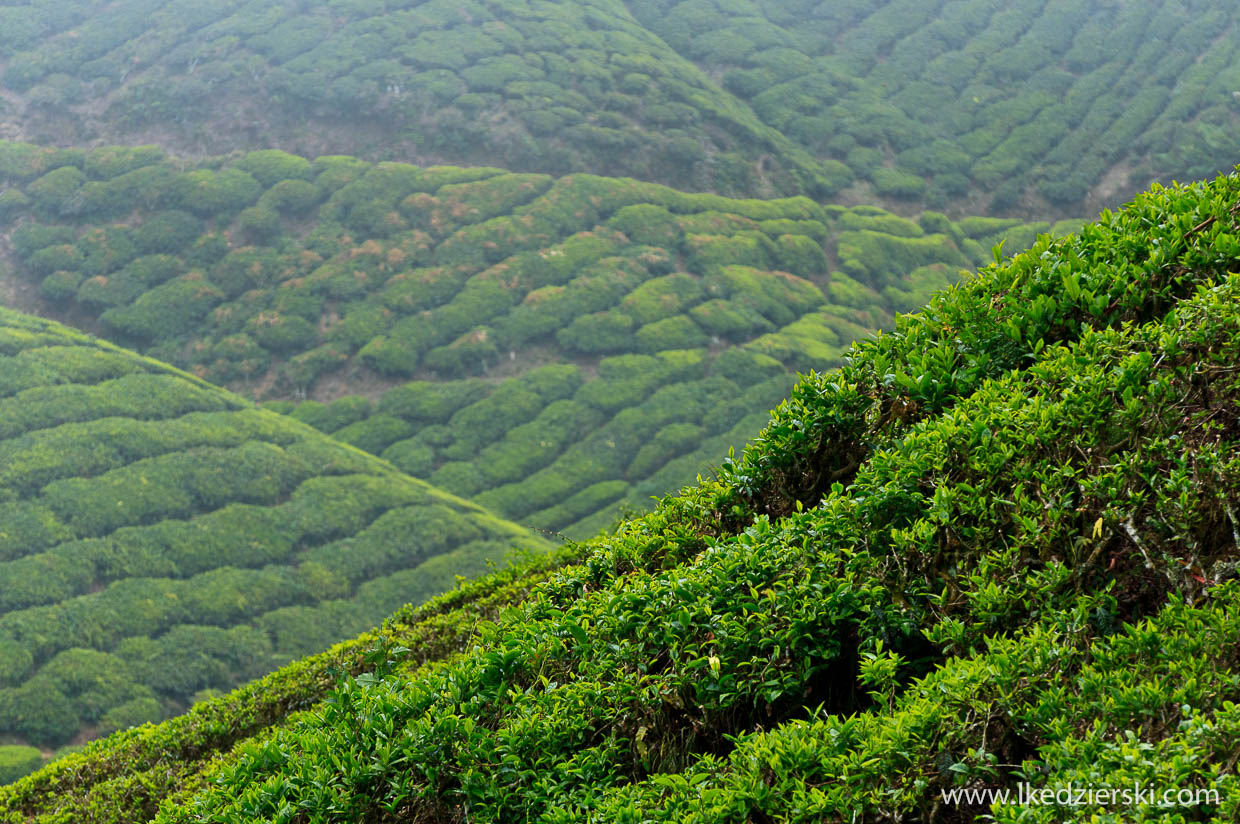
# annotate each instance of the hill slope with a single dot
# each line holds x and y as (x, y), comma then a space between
(160, 537)
(547, 87)
(1014, 107)
(998, 546)
(1007, 105)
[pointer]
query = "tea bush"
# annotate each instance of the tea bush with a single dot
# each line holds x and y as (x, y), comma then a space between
(16, 762)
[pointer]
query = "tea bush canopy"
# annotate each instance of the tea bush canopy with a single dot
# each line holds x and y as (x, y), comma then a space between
(160, 537)
(995, 548)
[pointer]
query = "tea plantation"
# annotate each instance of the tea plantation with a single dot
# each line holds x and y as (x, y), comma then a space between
(987, 106)
(162, 539)
(552, 88)
(1002, 104)
(997, 546)
(580, 343)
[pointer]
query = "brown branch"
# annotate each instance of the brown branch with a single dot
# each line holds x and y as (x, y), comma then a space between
(1205, 224)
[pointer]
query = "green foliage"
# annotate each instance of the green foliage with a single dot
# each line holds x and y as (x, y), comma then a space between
(271, 166)
(133, 713)
(447, 272)
(17, 662)
(678, 332)
(1052, 438)
(18, 762)
(167, 233)
(148, 522)
(211, 194)
(601, 332)
(661, 298)
(375, 434)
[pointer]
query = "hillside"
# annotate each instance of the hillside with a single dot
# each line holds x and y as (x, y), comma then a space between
(161, 539)
(1008, 106)
(551, 88)
(578, 344)
(997, 546)
(1014, 107)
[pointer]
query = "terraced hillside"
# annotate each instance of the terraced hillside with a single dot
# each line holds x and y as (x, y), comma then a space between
(1007, 105)
(547, 87)
(997, 547)
(987, 106)
(161, 539)
(579, 344)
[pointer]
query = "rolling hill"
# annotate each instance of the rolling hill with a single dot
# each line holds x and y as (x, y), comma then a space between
(162, 539)
(997, 546)
(578, 344)
(1016, 107)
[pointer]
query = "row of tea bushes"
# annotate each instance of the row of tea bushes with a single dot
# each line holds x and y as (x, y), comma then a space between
(559, 88)
(1021, 106)
(1005, 102)
(160, 537)
(270, 270)
(139, 765)
(556, 451)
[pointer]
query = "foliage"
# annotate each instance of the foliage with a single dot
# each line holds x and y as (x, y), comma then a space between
(16, 762)
(1036, 106)
(995, 548)
(442, 273)
(150, 522)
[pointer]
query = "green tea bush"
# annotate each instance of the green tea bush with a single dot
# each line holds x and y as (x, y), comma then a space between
(729, 319)
(214, 194)
(17, 762)
(167, 233)
(679, 332)
(374, 434)
(426, 402)
(132, 713)
(672, 440)
(744, 367)
(51, 259)
(39, 713)
(55, 193)
(661, 298)
(649, 225)
(271, 166)
(31, 237)
(411, 456)
(472, 353)
(587, 501)
(600, 332)
(17, 662)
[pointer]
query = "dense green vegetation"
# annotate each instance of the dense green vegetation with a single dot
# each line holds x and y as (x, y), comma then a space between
(639, 332)
(1004, 106)
(1006, 103)
(988, 544)
(997, 546)
(161, 538)
(553, 88)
